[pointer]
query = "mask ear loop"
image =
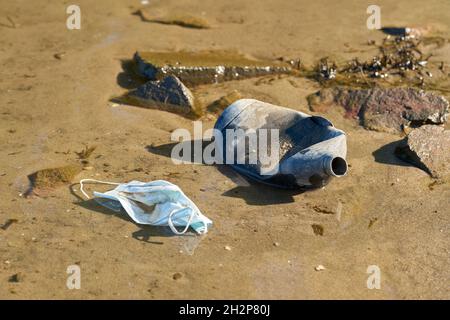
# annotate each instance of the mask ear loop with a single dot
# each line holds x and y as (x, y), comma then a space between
(174, 230)
(95, 181)
(172, 226)
(193, 213)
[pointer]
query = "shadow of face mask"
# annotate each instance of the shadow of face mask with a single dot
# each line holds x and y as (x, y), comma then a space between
(156, 203)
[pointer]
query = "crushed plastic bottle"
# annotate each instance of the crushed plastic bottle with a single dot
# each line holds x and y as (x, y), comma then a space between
(310, 149)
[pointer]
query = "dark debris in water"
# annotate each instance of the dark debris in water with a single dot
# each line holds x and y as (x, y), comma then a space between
(86, 152)
(317, 229)
(326, 70)
(8, 223)
(401, 61)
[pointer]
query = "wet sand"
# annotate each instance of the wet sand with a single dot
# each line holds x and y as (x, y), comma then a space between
(384, 212)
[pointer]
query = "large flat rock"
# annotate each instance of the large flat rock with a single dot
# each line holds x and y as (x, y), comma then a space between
(204, 67)
(428, 148)
(388, 110)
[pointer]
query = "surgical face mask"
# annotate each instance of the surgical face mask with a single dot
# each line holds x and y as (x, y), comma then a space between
(157, 203)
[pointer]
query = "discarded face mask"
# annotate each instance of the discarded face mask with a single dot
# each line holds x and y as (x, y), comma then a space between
(305, 151)
(157, 203)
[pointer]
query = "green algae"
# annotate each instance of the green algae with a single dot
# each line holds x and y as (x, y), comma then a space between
(223, 102)
(54, 177)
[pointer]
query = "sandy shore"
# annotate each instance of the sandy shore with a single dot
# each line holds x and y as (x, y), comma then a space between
(383, 213)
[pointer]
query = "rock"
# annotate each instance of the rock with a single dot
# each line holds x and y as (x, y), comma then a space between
(228, 248)
(428, 148)
(59, 55)
(388, 110)
(177, 276)
(205, 67)
(15, 278)
(319, 268)
(169, 92)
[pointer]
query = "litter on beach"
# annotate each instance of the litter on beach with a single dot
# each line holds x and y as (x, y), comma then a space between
(310, 150)
(157, 203)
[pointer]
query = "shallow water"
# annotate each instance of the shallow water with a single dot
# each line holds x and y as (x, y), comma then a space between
(56, 107)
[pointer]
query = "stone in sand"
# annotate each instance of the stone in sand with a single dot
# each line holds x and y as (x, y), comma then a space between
(15, 278)
(205, 67)
(169, 93)
(388, 110)
(428, 148)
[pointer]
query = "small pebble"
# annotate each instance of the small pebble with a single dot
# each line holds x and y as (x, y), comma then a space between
(18, 277)
(59, 55)
(276, 244)
(177, 276)
(228, 248)
(319, 268)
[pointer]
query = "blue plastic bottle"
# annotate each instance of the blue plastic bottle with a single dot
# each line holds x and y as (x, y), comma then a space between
(310, 151)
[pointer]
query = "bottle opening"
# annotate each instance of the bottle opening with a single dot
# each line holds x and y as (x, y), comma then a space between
(338, 166)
